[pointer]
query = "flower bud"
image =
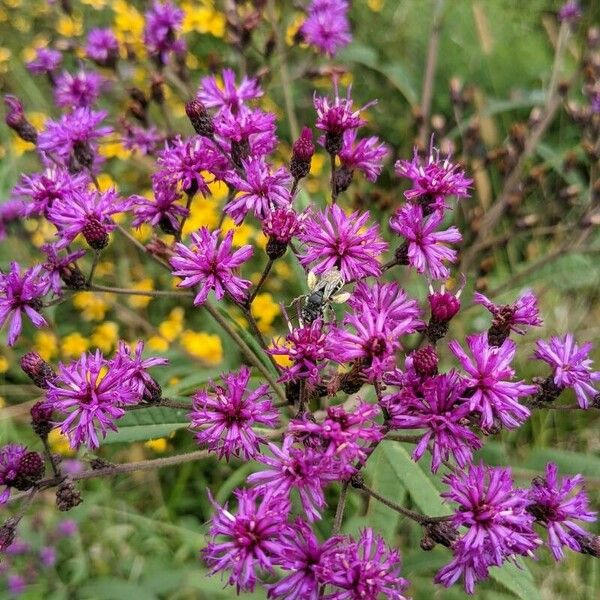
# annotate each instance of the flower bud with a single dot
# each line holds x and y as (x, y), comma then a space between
(41, 419)
(200, 118)
(95, 234)
(67, 495)
(425, 361)
(16, 120)
(7, 533)
(303, 150)
(37, 369)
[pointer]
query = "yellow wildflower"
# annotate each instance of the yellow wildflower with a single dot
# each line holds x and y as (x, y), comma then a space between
(242, 234)
(114, 150)
(45, 344)
(96, 4)
(293, 29)
(21, 146)
(105, 268)
(283, 360)
(59, 444)
(4, 364)
(203, 19)
(105, 336)
(129, 25)
(105, 181)
(173, 325)
(70, 26)
(265, 310)
(375, 5)
(143, 233)
(158, 445)
(206, 346)
(92, 306)
(145, 284)
(203, 213)
(157, 343)
(74, 345)
(316, 165)
(282, 270)
(43, 233)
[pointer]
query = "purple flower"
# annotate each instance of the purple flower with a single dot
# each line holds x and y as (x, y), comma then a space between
(367, 155)
(163, 210)
(182, 162)
(508, 316)
(491, 393)
(571, 365)
(78, 91)
(88, 212)
(570, 12)
(343, 436)
(303, 469)
(249, 540)
(302, 556)
(10, 211)
(336, 117)
(282, 224)
(16, 584)
(364, 570)
(10, 460)
(249, 132)
(327, 27)
(227, 413)
(102, 47)
(442, 413)
(306, 347)
(77, 131)
(46, 60)
(426, 248)
(433, 181)
(137, 367)
(230, 96)
(140, 139)
(66, 528)
(211, 266)
(334, 239)
(260, 191)
(163, 19)
(48, 556)
(499, 525)
(557, 504)
(42, 189)
(91, 393)
(21, 293)
(60, 268)
(444, 305)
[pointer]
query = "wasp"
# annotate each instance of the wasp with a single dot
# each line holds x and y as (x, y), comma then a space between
(322, 292)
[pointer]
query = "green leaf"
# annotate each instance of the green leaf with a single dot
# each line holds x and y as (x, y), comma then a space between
(517, 580)
(417, 483)
(147, 424)
(568, 462)
(381, 477)
(109, 588)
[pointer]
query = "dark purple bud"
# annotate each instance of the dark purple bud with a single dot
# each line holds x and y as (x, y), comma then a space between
(37, 369)
(95, 234)
(303, 150)
(200, 118)
(444, 306)
(589, 544)
(31, 466)
(16, 120)
(7, 533)
(425, 361)
(67, 495)
(342, 180)
(41, 419)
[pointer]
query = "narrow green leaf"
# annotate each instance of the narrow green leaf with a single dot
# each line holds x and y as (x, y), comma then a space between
(147, 424)
(517, 580)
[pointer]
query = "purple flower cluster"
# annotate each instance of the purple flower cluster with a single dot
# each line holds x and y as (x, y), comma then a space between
(327, 26)
(163, 20)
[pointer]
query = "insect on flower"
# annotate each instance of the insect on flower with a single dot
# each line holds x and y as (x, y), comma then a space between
(322, 291)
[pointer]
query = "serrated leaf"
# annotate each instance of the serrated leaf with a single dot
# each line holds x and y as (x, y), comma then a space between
(417, 483)
(147, 424)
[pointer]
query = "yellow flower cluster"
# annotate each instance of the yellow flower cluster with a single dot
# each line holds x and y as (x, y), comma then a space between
(129, 26)
(205, 346)
(265, 310)
(203, 19)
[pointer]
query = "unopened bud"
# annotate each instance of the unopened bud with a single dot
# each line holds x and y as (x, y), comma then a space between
(37, 369)
(303, 150)
(95, 234)
(67, 495)
(17, 121)
(425, 361)
(200, 118)
(41, 419)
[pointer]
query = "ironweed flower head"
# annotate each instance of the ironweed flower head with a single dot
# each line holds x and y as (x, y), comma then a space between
(87, 212)
(90, 394)
(557, 504)
(10, 461)
(300, 468)
(433, 180)
(327, 26)
(368, 155)
(228, 95)
(102, 47)
(46, 60)
(367, 569)
(488, 376)
(162, 210)
(302, 557)
(62, 268)
(334, 239)
(248, 541)
(21, 294)
(307, 348)
(280, 226)
(211, 265)
(427, 249)
(163, 19)
(80, 90)
(226, 414)
(570, 12)
(259, 190)
(571, 365)
(40, 190)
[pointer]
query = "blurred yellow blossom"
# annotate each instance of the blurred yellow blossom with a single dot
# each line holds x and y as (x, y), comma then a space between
(156, 343)
(129, 25)
(173, 325)
(145, 284)
(265, 310)
(142, 233)
(45, 344)
(2, 402)
(283, 360)
(5, 55)
(316, 165)
(293, 29)
(375, 5)
(203, 19)
(105, 336)
(242, 234)
(59, 444)
(105, 181)
(206, 346)
(4, 364)
(92, 306)
(203, 213)
(158, 445)
(44, 232)
(282, 270)
(69, 26)
(114, 150)
(96, 4)
(74, 345)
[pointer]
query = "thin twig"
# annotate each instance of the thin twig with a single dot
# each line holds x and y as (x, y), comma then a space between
(262, 280)
(132, 292)
(341, 507)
